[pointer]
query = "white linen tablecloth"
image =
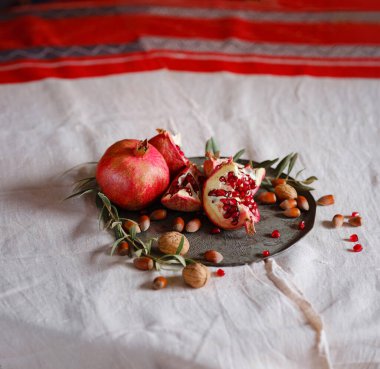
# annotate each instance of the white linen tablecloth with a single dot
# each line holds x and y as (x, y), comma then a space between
(65, 303)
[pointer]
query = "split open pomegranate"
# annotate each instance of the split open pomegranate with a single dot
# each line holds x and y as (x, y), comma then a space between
(212, 163)
(175, 158)
(184, 193)
(228, 196)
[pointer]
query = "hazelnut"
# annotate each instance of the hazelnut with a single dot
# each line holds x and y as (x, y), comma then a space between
(196, 275)
(168, 243)
(193, 225)
(143, 263)
(159, 283)
(338, 220)
(128, 224)
(158, 214)
(123, 248)
(178, 224)
(213, 256)
(302, 203)
(144, 222)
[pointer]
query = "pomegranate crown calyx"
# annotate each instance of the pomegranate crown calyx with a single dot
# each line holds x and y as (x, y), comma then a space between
(141, 148)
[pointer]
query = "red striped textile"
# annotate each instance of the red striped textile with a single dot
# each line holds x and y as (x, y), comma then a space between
(73, 39)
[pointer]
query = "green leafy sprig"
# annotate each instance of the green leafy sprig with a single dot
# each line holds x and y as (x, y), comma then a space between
(109, 215)
(286, 164)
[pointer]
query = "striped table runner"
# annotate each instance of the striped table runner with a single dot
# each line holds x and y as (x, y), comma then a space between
(73, 39)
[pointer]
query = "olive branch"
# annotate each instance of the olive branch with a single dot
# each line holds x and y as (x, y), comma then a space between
(112, 221)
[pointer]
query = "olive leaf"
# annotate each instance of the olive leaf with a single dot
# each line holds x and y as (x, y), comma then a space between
(138, 253)
(310, 180)
(78, 166)
(267, 163)
(215, 148)
(180, 246)
(282, 165)
(116, 244)
(299, 172)
(133, 232)
(181, 259)
(292, 161)
(79, 193)
(238, 155)
(209, 147)
(106, 202)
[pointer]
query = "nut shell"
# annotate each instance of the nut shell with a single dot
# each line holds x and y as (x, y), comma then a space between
(168, 243)
(285, 192)
(158, 214)
(178, 224)
(193, 225)
(288, 204)
(355, 221)
(338, 220)
(143, 263)
(277, 181)
(159, 283)
(128, 224)
(267, 198)
(144, 222)
(123, 248)
(326, 200)
(213, 256)
(302, 203)
(196, 275)
(292, 213)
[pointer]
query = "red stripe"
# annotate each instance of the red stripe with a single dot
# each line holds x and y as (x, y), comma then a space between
(269, 5)
(125, 28)
(36, 71)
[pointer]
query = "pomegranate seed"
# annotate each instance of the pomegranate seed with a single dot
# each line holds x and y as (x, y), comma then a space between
(220, 273)
(358, 247)
(215, 230)
(276, 234)
(354, 238)
(355, 214)
(301, 225)
(266, 253)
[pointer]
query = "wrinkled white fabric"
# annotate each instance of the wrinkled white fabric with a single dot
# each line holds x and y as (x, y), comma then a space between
(65, 303)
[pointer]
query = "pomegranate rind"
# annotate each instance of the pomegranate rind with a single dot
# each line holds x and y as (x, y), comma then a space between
(182, 200)
(129, 180)
(213, 205)
(172, 154)
(212, 163)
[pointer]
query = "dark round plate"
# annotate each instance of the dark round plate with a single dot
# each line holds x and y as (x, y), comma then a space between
(237, 247)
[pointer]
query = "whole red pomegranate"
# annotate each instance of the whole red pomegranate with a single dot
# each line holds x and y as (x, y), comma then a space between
(172, 153)
(228, 196)
(132, 174)
(184, 193)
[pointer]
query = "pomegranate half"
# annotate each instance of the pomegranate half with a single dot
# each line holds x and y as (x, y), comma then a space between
(172, 153)
(184, 193)
(228, 196)
(132, 174)
(212, 163)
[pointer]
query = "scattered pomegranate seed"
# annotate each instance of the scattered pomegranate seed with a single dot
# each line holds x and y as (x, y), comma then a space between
(358, 247)
(220, 273)
(354, 238)
(276, 234)
(266, 253)
(355, 214)
(301, 225)
(215, 230)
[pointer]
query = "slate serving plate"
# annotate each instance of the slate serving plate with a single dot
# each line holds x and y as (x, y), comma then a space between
(237, 247)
